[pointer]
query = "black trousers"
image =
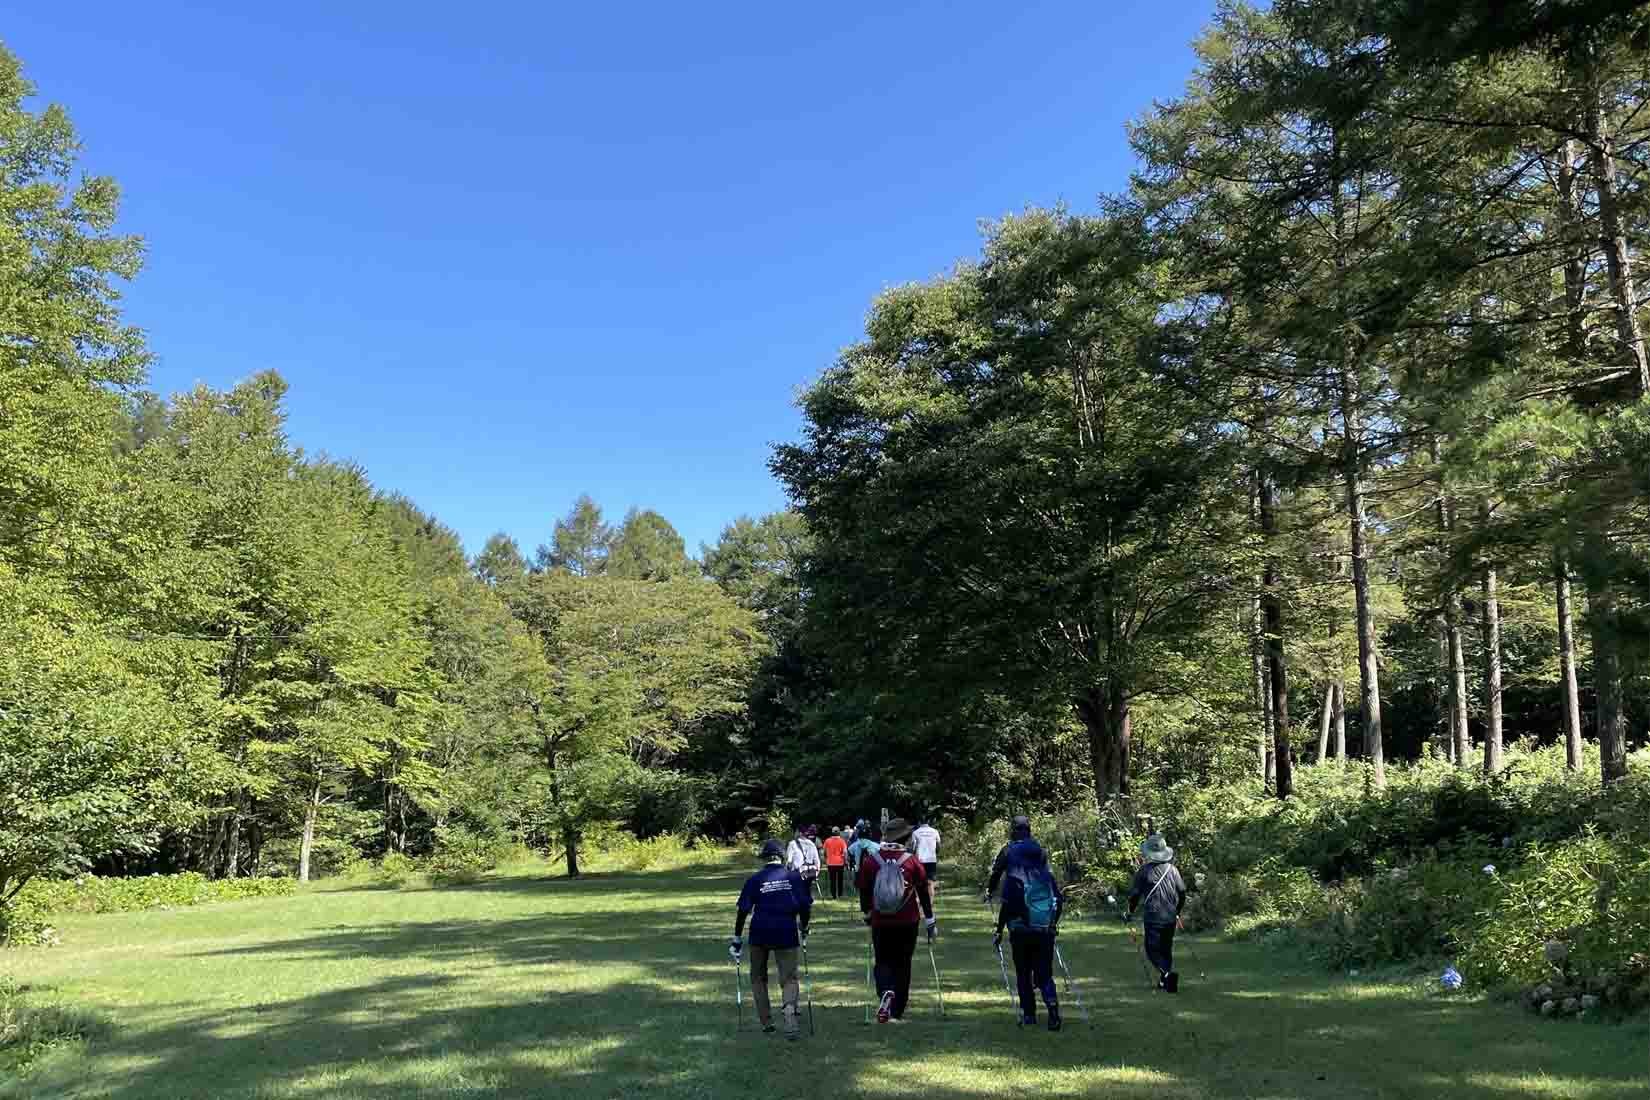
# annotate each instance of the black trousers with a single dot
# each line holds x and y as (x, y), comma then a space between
(836, 881)
(894, 945)
(1160, 946)
(1033, 968)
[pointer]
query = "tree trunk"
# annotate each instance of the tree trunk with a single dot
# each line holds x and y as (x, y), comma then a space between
(1340, 719)
(570, 841)
(1323, 723)
(307, 844)
(1263, 698)
(1107, 718)
(1276, 667)
(1369, 674)
(232, 854)
(1567, 663)
(1617, 257)
(1492, 665)
(1446, 707)
(1612, 715)
(1457, 681)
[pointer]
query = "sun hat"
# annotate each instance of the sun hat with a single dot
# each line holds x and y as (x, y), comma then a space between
(1156, 850)
(896, 831)
(1020, 827)
(772, 850)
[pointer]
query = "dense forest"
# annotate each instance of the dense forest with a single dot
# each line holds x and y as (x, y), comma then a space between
(1328, 438)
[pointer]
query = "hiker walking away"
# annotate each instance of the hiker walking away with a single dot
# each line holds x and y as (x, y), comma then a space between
(836, 861)
(869, 841)
(1161, 893)
(1020, 851)
(925, 841)
(802, 857)
(779, 904)
(1032, 904)
(892, 888)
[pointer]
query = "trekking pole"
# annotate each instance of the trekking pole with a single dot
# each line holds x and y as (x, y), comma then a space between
(869, 988)
(938, 991)
(1072, 987)
(808, 983)
(738, 998)
(1003, 966)
(1145, 963)
(1197, 959)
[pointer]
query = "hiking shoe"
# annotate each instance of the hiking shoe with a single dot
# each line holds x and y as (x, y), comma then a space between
(1171, 982)
(1054, 1017)
(1028, 1021)
(768, 1029)
(885, 1009)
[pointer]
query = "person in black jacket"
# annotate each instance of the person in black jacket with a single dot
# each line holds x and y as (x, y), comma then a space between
(1032, 904)
(1161, 893)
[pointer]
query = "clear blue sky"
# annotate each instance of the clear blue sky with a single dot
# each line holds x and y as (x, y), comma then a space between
(505, 254)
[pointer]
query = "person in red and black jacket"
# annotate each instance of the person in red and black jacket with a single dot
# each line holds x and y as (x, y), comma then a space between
(894, 934)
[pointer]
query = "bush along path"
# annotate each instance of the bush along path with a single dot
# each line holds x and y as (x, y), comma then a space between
(619, 984)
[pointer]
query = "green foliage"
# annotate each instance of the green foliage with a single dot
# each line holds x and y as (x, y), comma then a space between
(27, 920)
(29, 1028)
(463, 857)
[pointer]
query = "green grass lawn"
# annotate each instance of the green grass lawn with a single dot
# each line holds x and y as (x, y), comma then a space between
(619, 985)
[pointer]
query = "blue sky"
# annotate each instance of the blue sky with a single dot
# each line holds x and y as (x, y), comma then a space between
(506, 254)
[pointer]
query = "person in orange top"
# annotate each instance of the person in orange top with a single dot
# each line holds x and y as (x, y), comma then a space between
(836, 859)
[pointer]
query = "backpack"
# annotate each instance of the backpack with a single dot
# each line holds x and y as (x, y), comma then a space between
(890, 893)
(810, 859)
(1041, 902)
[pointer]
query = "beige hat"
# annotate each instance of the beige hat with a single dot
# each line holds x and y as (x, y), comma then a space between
(896, 831)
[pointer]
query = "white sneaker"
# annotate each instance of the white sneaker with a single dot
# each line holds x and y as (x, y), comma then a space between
(885, 1010)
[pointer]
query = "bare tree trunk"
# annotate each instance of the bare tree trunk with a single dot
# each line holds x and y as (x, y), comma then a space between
(232, 856)
(1457, 682)
(1567, 663)
(1323, 722)
(1263, 694)
(1492, 665)
(1617, 257)
(1340, 719)
(1276, 666)
(1612, 714)
(1446, 706)
(1369, 673)
(307, 844)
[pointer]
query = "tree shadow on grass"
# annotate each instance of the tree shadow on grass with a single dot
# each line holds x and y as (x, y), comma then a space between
(610, 1002)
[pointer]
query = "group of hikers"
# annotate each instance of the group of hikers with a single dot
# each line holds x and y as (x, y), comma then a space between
(894, 871)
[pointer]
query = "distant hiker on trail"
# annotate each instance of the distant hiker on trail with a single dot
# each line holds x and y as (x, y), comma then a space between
(781, 904)
(1020, 851)
(925, 841)
(1032, 904)
(836, 861)
(869, 841)
(802, 857)
(1161, 892)
(892, 886)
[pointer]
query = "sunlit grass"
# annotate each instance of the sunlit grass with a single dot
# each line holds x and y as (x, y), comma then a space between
(619, 985)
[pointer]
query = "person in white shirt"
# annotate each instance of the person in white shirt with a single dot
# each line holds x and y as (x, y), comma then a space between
(925, 842)
(802, 856)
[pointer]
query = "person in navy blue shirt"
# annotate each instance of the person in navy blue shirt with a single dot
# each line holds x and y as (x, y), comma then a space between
(778, 903)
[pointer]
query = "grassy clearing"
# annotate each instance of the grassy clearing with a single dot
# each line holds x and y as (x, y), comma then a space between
(530, 985)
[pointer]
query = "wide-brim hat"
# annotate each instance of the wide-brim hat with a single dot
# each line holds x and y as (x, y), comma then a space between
(896, 831)
(772, 849)
(1156, 850)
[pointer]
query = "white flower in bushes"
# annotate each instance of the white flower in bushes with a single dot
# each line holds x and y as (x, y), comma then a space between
(1489, 869)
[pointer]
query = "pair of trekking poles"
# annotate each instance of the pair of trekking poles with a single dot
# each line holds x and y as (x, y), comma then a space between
(1073, 990)
(870, 982)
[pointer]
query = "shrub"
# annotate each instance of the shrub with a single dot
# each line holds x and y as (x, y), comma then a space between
(395, 868)
(462, 856)
(623, 851)
(1589, 895)
(24, 921)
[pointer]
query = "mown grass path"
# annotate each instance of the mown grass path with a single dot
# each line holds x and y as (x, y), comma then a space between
(619, 985)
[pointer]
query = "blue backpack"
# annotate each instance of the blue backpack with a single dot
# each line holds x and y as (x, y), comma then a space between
(1041, 898)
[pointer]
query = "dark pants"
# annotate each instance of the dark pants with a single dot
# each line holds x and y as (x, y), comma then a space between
(836, 882)
(1160, 946)
(1033, 968)
(894, 945)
